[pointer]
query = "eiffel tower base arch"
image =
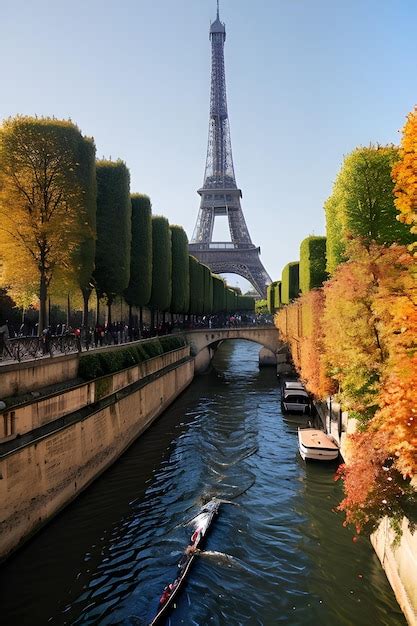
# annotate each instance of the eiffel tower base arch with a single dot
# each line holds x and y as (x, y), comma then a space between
(242, 260)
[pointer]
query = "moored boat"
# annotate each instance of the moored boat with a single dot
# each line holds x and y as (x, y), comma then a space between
(295, 398)
(314, 444)
(201, 524)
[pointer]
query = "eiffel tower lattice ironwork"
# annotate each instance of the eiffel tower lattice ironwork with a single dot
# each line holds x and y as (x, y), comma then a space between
(220, 194)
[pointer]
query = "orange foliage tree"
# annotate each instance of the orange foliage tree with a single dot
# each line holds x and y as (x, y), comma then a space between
(301, 327)
(354, 352)
(384, 456)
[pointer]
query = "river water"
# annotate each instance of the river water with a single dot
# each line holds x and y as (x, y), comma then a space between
(277, 555)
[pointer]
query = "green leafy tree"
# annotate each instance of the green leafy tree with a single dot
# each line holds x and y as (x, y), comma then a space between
(270, 297)
(180, 301)
(114, 212)
(261, 307)
(208, 290)
(84, 257)
(290, 288)
(46, 205)
(161, 265)
(196, 287)
(363, 203)
(138, 292)
(274, 296)
(245, 303)
(231, 297)
(312, 263)
(218, 294)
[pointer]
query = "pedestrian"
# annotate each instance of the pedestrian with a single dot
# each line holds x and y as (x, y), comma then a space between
(4, 340)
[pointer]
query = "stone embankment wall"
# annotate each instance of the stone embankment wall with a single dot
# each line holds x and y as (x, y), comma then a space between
(78, 434)
(399, 559)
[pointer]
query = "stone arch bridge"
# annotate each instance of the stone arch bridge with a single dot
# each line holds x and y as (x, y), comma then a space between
(204, 341)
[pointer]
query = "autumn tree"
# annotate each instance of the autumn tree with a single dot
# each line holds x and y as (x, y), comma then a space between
(46, 204)
(138, 291)
(384, 455)
(405, 176)
(114, 212)
(362, 203)
(352, 339)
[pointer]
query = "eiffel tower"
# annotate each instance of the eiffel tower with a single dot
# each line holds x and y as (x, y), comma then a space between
(220, 194)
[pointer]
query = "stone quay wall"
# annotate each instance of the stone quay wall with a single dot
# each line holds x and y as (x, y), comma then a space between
(44, 469)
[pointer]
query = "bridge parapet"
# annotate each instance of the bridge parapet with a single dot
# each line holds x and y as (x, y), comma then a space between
(266, 336)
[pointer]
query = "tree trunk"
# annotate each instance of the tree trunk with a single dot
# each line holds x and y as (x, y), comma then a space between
(130, 318)
(43, 294)
(68, 311)
(152, 320)
(109, 303)
(86, 291)
(141, 321)
(98, 309)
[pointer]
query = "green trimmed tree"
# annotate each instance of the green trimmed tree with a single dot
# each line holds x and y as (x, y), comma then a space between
(231, 297)
(312, 263)
(196, 287)
(180, 300)
(362, 203)
(274, 296)
(84, 257)
(290, 288)
(270, 298)
(138, 291)
(277, 295)
(218, 294)
(245, 303)
(161, 265)
(114, 230)
(208, 290)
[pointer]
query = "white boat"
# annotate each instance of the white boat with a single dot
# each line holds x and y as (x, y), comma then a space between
(316, 445)
(294, 398)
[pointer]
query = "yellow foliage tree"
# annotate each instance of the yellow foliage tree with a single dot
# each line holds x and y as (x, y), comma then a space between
(404, 174)
(43, 215)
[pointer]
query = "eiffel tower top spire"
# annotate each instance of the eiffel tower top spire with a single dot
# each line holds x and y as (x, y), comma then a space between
(219, 163)
(217, 26)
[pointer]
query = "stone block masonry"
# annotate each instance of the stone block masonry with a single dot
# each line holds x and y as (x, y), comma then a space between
(42, 471)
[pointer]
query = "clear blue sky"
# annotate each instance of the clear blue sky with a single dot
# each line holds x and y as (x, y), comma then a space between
(307, 82)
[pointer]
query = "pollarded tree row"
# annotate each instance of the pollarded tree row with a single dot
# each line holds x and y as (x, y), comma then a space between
(69, 224)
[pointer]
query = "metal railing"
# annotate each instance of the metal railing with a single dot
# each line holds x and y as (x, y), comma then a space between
(28, 348)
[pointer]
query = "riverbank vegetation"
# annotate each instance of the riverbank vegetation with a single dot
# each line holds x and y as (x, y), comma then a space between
(352, 323)
(94, 365)
(69, 225)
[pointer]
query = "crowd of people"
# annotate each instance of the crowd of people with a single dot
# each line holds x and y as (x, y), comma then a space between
(119, 332)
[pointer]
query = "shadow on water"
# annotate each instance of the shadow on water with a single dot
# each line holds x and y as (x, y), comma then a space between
(281, 556)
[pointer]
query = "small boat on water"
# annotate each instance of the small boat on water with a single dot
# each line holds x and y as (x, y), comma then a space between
(315, 445)
(294, 398)
(201, 524)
